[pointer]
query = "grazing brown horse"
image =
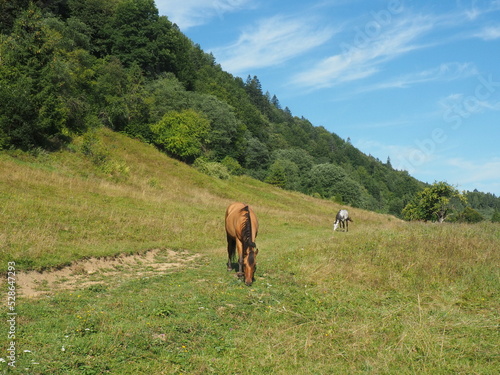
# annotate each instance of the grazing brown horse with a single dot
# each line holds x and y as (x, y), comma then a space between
(241, 228)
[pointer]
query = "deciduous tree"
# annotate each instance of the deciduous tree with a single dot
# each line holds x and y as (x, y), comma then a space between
(183, 134)
(433, 203)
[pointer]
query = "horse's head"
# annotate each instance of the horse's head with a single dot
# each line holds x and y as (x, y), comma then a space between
(250, 264)
(335, 225)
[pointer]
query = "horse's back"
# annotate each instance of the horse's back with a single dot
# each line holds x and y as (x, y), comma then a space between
(233, 208)
(342, 215)
(234, 218)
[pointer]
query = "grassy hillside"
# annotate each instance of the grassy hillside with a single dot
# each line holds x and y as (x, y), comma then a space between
(388, 297)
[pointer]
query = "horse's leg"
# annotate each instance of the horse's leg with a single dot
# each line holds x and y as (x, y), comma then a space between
(347, 225)
(231, 248)
(239, 247)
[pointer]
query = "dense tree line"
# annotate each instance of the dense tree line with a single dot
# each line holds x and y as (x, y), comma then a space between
(69, 66)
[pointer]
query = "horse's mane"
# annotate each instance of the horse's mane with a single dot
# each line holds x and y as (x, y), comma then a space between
(246, 230)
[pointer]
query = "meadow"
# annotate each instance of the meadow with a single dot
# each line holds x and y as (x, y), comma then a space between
(387, 297)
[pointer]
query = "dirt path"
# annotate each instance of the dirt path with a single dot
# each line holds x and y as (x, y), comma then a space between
(93, 271)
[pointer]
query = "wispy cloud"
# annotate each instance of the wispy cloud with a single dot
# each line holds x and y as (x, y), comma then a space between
(467, 105)
(190, 13)
(270, 42)
(489, 33)
(478, 9)
(445, 72)
(474, 171)
(361, 61)
(481, 175)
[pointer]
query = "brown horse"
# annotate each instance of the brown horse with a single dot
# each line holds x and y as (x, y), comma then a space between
(241, 228)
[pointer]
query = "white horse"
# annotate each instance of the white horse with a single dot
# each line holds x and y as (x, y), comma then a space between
(342, 218)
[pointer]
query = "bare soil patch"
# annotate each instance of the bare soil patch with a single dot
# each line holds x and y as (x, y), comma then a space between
(93, 271)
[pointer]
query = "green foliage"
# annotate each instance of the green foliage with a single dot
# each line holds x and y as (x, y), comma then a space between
(183, 134)
(284, 173)
(434, 203)
(330, 180)
(211, 168)
(256, 155)
(226, 137)
(468, 215)
(232, 166)
(496, 217)
(93, 148)
(9, 11)
(300, 157)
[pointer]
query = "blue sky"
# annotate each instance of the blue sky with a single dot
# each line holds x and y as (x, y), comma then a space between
(416, 81)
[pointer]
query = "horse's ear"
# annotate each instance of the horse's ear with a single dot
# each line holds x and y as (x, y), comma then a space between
(256, 251)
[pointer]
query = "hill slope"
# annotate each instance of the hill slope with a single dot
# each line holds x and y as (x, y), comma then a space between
(69, 67)
(127, 197)
(385, 297)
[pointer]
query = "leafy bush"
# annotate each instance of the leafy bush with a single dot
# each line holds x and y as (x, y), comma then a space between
(233, 166)
(211, 168)
(183, 134)
(496, 217)
(330, 180)
(93, 148)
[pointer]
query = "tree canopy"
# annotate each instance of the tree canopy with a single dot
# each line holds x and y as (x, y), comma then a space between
(434, 203)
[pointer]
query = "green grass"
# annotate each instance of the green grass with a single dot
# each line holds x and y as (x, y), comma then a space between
(387, 297)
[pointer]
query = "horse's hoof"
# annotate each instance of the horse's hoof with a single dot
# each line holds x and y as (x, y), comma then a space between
(240, 274)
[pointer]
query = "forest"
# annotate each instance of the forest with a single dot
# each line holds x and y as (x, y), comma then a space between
(68, 67)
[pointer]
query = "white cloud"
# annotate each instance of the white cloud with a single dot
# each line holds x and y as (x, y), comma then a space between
(444, 72)
(364, 56)
(471, 172)
(489, 33)
(476, 10)
(190, 13)
(270, 42)
(481, 175)
(464, 106)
